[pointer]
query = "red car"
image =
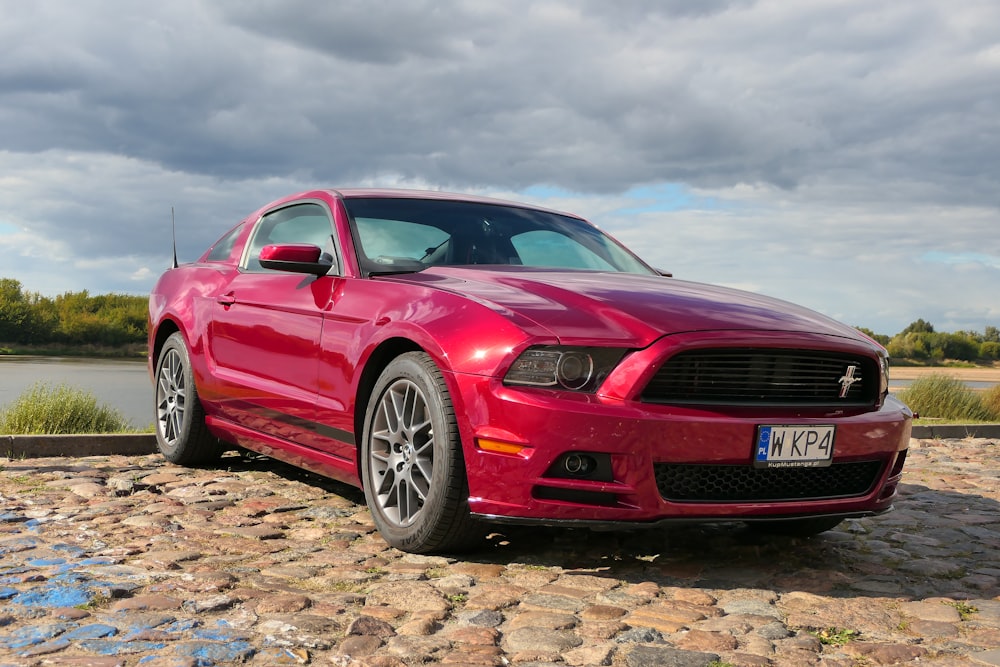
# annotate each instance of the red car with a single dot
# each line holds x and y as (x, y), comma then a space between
(467, 361)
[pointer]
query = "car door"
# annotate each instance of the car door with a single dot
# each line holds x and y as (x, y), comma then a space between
(267, 326)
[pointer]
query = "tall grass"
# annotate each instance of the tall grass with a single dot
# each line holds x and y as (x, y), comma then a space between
(943, 397)
(60, 410)
(991, 400)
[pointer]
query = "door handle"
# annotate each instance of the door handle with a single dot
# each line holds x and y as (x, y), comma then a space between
(227, 299)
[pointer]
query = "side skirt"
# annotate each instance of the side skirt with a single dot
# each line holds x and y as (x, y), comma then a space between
(321, 463)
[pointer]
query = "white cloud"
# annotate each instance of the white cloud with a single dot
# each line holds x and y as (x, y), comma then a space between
(814, 150)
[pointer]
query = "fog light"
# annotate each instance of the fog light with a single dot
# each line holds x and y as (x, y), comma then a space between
(579, 464)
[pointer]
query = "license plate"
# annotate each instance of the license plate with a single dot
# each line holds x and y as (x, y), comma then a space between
(794, 446)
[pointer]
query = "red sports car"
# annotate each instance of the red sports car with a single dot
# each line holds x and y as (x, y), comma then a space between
(467, 361)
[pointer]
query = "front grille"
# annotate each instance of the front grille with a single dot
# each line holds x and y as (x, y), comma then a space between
(757, 377)
(688, 483)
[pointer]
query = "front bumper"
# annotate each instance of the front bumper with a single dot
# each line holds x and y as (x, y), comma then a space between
(633, 442)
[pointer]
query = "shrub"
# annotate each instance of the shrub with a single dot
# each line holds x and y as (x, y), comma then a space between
(991, 401)
(944, 397)
(60, 410)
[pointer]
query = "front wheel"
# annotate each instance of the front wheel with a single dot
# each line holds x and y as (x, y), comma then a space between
(412, 466)
(181, 434)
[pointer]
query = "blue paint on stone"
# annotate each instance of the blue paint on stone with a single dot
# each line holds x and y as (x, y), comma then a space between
(136, 627)
(32, 635)
(71, 577)
(12, 517)
(182, 626)
(92, 631)
(71, 550)
(33, 524)
(17, 545)
(7, 593)
(239, 651)
(218, 635)
(114, 647)
(54, 595)
(46, 647)
(44, 562)
(98, 560)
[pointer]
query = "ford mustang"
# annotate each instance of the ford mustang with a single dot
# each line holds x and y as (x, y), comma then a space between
(469, 361)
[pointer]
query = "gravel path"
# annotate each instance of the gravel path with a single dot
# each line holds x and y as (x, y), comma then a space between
(113, 560)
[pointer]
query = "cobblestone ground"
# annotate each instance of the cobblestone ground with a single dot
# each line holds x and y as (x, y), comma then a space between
(131, 561)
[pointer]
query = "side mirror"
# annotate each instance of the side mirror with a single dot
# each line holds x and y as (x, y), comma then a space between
(296, 258)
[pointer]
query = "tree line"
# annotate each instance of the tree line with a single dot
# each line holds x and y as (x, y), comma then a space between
(73, 318)
(115, 320)
(920, 342)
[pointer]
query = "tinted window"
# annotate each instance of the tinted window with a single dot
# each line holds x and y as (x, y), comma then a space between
(223, 248)
(400, 235)
(547, 248)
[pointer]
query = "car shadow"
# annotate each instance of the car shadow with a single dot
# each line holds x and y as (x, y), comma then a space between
(929, 547)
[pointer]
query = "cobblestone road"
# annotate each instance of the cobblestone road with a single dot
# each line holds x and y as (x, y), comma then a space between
(129, 561)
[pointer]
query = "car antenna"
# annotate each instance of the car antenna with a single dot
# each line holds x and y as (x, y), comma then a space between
(173, 232)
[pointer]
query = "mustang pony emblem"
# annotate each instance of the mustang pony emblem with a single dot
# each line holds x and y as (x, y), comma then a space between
(848, 380)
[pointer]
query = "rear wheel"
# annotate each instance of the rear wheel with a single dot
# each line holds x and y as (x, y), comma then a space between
(181, 433)
(797, 527)
(412, 466)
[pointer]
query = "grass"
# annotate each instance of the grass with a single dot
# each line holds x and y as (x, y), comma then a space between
(60, 410)
(964, 609)
(835, 636)
(127, 351)
(939, 396)
(991, 399)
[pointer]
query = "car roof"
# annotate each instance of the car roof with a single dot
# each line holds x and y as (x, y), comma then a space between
(402, 193)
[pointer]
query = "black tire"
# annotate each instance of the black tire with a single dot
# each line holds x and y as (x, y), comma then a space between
(181, 434)
(797, 527)
(412, 466)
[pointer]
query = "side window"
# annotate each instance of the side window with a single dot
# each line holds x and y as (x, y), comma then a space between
(223, 248)
(548, 248)
(302, 223)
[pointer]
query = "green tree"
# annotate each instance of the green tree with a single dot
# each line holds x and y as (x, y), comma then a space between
(23, 318)
(919, 326)
(881, 339)
(959, 346)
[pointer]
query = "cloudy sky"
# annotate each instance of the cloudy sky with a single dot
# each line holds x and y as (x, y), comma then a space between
(843, 154)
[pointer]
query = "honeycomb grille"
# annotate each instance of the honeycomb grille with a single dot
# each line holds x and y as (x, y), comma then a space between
(742, 483)
(764, 377)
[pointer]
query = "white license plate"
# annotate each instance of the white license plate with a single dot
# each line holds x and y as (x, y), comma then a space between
(794, 446)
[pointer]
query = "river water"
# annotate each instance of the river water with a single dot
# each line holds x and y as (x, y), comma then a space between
(121, 384)
(125, 384)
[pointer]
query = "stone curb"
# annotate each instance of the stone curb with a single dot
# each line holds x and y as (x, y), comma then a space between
(138, 444)
(957, 431)
(108, 444)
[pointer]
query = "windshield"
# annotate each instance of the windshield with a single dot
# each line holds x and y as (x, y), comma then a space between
(405, 235)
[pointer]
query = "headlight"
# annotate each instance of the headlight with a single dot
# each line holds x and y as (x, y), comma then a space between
(573, 368)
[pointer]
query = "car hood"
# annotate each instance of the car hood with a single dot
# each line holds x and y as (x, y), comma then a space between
(633, 310)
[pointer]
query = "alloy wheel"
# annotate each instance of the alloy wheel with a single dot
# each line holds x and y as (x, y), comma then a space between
(171, 393)
(402, 452)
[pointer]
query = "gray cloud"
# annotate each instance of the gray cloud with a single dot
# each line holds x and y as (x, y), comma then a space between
(818, 130)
